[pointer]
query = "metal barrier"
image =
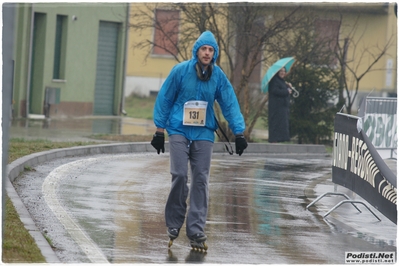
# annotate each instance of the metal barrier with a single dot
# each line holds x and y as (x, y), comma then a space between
(52, 96)
(358, 166)
(348, 200)
(380, 122)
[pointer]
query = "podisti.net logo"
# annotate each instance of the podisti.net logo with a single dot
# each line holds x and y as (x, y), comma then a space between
(371, 257)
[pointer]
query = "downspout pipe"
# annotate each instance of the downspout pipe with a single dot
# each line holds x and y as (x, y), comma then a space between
(125, 61)
(29, 77)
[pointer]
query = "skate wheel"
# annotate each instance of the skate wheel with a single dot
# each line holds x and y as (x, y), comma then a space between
(170, 243)
(205, 246)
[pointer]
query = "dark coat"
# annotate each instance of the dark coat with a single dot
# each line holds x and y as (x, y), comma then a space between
(279, 100)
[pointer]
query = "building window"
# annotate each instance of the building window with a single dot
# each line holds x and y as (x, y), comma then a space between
(60, 47)
(166, 31)
(327, 34)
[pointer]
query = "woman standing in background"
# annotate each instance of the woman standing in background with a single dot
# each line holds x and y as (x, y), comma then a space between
(279, 109)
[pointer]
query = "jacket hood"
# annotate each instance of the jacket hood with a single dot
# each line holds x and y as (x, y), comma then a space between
(206, 38)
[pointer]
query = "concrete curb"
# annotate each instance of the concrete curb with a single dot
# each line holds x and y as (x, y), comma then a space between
(30, 225)
(18, 166)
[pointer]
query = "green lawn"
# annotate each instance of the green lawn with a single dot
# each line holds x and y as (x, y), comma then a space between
(140, 107)
(18, 244)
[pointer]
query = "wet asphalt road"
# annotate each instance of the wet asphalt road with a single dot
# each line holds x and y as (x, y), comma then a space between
(109, 208)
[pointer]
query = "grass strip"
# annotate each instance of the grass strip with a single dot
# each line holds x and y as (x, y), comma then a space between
(18, 245)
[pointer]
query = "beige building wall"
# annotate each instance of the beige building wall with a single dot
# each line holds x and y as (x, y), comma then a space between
(373, 30)
(145, 74)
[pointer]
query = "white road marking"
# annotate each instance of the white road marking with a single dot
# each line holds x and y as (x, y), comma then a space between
(49, 189)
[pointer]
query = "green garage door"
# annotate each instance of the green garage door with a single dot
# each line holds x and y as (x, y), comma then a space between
(106, 67)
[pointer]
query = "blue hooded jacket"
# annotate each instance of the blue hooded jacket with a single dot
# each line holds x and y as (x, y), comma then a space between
(183, 85)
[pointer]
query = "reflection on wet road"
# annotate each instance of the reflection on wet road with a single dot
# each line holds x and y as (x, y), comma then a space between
(257, 211)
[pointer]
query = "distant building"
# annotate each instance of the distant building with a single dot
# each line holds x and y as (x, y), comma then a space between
(375, 23)
(69, 59)
(147, 69)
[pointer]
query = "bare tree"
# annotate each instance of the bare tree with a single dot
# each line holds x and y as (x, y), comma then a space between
(246, 34)
(352, 69)
(254, 29)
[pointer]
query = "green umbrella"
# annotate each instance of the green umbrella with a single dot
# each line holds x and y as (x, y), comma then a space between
(286, 62)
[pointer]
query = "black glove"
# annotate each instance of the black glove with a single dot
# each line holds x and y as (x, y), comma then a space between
(241, 144)
(158, 141)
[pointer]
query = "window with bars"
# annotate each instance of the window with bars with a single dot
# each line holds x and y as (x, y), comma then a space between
(327, 34)
(166, 32)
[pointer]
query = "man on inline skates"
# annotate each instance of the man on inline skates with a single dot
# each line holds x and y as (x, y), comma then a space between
(184, 107)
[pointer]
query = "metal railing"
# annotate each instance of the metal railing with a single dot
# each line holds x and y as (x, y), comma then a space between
(379, 115)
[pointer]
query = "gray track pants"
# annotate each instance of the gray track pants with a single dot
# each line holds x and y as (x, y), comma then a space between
(198, 153)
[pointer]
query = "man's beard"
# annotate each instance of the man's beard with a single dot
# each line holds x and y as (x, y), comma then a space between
(202, 73)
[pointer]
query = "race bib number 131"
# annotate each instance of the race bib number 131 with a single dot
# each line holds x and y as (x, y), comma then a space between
(195, 113)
